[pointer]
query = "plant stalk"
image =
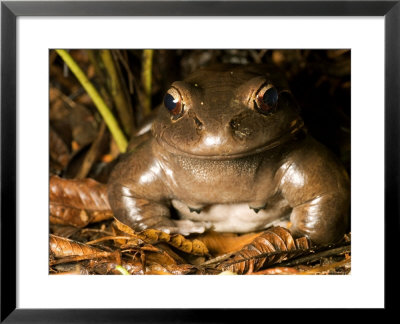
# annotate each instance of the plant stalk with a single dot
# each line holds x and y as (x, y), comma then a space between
(105, 112)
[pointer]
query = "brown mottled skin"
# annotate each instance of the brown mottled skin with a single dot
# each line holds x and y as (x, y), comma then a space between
(225, 166)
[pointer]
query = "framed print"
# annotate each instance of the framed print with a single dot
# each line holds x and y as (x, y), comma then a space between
(359, 39)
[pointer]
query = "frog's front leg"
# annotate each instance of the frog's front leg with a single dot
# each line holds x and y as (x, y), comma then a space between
(139, 197)
(317, 188)
(138, 213)
(141, 213)
(322, 219)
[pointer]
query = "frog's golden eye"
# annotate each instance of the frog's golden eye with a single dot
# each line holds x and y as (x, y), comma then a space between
(266, 99)
(173, 102)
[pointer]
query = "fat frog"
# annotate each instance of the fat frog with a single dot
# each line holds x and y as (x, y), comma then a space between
(229, 152)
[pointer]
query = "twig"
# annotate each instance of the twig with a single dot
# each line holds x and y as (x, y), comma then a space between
(108, 238)
(98, 101)
(76, 258)
(316, 256)
(92, 154)
(290, 254)
(276, 271)
(121, 101)
(95, 230)
(218, 259)
(327, 267)
(124, 62)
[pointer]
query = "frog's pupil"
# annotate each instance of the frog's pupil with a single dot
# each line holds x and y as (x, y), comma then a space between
(270, 97)
(170, 102)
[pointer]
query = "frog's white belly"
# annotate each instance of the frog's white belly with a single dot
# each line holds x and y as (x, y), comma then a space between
(236, 218)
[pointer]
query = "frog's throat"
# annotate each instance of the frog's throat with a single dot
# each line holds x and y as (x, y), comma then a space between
(292, 134)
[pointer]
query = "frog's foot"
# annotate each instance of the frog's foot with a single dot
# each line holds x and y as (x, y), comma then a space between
(186, 227)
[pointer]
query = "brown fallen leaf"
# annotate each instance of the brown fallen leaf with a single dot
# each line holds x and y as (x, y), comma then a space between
(161, 257)
(84, 194)
(62, 247)
(78, 202)
(272, 246)
(166, 249)
(63, 250)
(65, 215)
(222, 243)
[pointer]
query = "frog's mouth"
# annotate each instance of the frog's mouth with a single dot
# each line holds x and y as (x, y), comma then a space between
(296, 132)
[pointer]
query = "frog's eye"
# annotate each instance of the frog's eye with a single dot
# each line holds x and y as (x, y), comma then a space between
(266, 99)
(173, 102)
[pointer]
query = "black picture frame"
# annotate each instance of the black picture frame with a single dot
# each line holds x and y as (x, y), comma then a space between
(10, 10)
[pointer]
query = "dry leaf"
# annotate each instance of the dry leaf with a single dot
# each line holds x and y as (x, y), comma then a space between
(63, 250)
(78, 202)
(222, 243)
(272, 246)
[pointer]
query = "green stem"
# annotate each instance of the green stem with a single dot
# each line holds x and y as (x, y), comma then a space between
(146, 78)
(122, 270)
(108, 117)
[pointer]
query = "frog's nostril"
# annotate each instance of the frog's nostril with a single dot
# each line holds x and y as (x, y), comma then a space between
(234, 124)
(199, 124)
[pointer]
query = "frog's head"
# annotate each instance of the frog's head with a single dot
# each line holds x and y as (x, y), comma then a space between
(226, 111)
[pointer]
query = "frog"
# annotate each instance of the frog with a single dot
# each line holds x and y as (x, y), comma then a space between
(228, 151)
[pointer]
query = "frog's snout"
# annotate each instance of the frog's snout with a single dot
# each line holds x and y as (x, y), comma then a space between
(221, 133)
(225, 134)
